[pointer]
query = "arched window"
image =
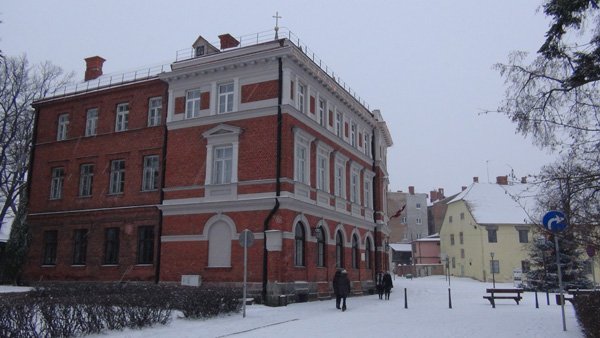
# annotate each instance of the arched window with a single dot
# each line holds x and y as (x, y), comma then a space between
(321, 247)
(299, 252)
(355, 252)
(339, 250)
(219, 245)
(368, 253)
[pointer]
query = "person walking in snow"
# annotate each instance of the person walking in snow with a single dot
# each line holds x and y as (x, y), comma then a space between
(379, 284)
(387, 285)
(341, 288)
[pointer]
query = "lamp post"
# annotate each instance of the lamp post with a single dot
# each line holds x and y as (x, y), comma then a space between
(492, 266)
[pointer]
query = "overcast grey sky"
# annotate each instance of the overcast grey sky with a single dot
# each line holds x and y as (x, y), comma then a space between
(427, 65)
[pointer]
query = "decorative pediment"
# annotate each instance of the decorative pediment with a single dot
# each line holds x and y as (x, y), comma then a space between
(222, 130)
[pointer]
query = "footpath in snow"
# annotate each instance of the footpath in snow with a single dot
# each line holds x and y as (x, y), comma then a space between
(427, 315)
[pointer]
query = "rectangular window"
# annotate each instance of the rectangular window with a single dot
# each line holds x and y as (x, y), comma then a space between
(154, 111)
(145, 248)
(419, 221)
(222, 164)
(79, 246)
(117, 177)
(461, 238)
(301, 98)
(226, 98)
(56, 185)
(451, 239)
(523, 236)
(122, 121)
(338, 124)
(322, 171)
(301, 161)
(495, 266)
(492, 236)
(91, 122)
(50, 245)
(86, 179)
(63, 123)
(192, 104)
(418, 205)
(462, 216)
(322, 109)
(368, 194)
(462, 253)
(353, 134)
(150, 174)
(403, 219)
(453, 263)
(367, 144)
(111, 246)
(339, 180)
(525, 266)
(354, 186)
(449, 219)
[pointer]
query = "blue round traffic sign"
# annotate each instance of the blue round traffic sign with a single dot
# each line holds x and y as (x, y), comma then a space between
(554, 221)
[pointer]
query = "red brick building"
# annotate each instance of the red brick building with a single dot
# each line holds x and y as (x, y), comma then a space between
(257, 137)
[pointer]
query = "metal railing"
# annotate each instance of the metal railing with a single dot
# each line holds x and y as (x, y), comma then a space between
(110, 80)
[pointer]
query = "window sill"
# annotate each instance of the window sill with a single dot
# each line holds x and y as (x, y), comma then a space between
(109, 265)
(144, 264)
(78, 265)
(48, 265)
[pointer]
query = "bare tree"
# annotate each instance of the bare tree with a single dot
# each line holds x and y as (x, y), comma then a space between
(554, 97)
(20, 85)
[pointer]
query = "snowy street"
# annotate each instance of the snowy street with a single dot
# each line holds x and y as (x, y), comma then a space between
(427, 315)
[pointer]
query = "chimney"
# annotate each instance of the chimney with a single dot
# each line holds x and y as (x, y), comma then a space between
(524, 179)
(502, 180)
(411, 190)
(441, 192)
(93, 67)
(228, 41)
(463, 188)
(433, 196)
(475, 179)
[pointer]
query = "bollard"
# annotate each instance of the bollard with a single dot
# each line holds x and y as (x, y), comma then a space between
(405, 299)
(449, 299)
(547, 298)
(537, 305)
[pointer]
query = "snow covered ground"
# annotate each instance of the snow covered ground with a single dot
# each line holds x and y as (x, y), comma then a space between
(427, 315)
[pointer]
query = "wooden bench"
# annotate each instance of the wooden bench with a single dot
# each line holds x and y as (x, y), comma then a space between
(514, 294)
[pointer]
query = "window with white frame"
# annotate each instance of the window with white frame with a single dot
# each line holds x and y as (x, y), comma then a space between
(302, 142)
(63, 123)
(56, 184)
(91, 122)
(222, 154)
(150, 174)
(117, 177)
(322, 166)
(154, 111)
(301, 105)
(340, 176)
(122, 120)
(86, 179)
(192, 103)
(419, 221)
(322, 110)
(222, 164)
(367, 144)
(219, 245)
(226, 97)
(368, 192)
(339, 124)
(355, 185)
(353, 133)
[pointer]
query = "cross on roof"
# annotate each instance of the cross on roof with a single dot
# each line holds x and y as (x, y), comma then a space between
(276, 17)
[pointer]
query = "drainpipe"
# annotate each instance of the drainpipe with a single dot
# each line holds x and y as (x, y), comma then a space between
(277, 183)
(161, 197)
(375, 232)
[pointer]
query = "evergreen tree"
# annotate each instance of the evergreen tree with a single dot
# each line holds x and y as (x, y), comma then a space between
(16, 247)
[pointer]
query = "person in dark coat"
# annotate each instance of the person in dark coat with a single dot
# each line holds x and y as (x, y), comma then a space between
(379, 284)
(387, 285)
(341, 288)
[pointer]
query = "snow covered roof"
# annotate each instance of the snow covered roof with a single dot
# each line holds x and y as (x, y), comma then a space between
(499, 204)
(406, 247)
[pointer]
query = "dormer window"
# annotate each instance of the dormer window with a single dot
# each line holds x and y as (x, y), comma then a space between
(200, 50)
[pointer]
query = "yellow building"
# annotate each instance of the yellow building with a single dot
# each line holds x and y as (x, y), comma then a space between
(486, 229)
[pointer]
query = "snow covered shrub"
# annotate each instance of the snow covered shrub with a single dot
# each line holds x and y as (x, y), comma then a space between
(586, 307)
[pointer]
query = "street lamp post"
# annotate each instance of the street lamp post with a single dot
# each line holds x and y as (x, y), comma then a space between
(492, 266)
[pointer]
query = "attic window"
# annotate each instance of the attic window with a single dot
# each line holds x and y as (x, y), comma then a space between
(200, 50)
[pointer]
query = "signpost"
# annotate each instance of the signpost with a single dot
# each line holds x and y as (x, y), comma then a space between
(556, 222)
(246, 240)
